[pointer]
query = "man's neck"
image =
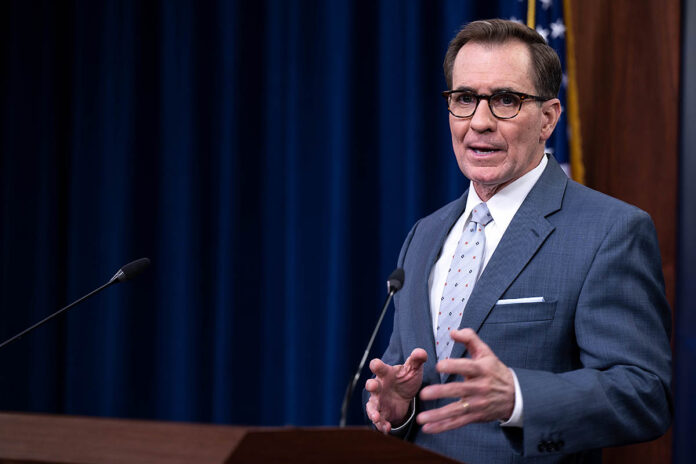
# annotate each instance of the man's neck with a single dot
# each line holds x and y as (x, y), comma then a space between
(486, 192)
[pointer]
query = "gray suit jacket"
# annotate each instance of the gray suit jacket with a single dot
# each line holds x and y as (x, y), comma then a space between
(593, 360)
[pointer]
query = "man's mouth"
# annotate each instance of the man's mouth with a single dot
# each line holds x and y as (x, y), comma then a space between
(483, 150)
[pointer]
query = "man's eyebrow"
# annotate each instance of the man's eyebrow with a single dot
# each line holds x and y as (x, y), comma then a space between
(495, 90)
(504, 89)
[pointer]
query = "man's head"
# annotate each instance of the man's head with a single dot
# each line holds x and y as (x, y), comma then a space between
(486, 58)
(546, 67)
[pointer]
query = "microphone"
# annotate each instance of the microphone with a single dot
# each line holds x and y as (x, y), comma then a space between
(127, 272)
(395, 281)
(394, 284)
(131, 270)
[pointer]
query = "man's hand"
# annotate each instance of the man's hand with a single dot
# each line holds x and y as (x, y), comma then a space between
(486, 394)
(393, 389)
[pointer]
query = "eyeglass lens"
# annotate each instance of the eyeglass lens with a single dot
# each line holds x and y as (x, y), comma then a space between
(502, 105)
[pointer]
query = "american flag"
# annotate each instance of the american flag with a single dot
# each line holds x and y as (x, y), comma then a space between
(547, 17)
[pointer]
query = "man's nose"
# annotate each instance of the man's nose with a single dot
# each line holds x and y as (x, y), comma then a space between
(483, 120)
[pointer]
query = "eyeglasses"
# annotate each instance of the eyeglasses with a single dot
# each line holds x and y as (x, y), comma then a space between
(504, 105)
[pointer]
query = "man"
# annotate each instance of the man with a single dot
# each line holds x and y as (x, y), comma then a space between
(532, 325)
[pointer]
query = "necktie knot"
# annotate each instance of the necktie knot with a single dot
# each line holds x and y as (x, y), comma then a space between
(481, 215)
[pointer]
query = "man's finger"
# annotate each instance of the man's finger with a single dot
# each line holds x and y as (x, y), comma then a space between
(372, 410)
(448, 424)
(449, 411)
(373, 386)
(462, 366)
(384, 427)
(417, 358)
(474, 345)
(448, 390)
(379, 368)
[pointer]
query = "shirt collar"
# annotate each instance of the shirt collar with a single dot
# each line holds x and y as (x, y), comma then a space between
(505, 203)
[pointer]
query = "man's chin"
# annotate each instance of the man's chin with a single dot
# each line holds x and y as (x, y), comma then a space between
(489, 177)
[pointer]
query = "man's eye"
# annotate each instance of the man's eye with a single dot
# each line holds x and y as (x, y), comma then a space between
(465, 99)
(507, 99)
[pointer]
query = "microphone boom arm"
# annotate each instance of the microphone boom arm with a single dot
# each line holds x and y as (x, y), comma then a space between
(57, 313)
(127, 272)
(356, 377)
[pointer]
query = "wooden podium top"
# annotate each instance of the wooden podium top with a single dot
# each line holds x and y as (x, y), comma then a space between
(38, 438)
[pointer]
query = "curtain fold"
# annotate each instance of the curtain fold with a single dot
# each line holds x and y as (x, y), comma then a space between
(269, 157)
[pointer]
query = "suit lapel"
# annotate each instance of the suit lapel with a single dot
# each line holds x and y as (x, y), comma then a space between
(522, 239)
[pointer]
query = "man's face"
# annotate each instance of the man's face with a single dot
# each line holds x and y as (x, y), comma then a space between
(494, 152)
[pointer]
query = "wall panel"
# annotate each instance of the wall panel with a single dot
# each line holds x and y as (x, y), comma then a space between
(628, 82)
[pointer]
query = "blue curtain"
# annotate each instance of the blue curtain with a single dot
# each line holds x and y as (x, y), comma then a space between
(269, 157)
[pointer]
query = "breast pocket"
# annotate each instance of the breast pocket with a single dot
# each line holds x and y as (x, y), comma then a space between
(522, 312)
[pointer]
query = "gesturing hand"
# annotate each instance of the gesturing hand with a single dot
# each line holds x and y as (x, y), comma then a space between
(486, 394)
(392, 389)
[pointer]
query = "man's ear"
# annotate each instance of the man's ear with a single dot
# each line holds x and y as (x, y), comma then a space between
(551, 113)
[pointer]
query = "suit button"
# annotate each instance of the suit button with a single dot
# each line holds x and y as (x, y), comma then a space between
(560, 444)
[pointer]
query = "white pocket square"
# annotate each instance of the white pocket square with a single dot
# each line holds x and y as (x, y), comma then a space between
(531, 299)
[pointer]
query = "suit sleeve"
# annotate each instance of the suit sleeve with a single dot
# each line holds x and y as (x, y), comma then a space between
(622, 324)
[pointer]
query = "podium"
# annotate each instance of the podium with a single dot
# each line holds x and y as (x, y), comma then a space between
(58, 439)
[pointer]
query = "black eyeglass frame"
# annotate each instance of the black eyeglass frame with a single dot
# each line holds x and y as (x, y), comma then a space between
(524, 97)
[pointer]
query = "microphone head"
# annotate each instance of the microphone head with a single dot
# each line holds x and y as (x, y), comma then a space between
(131, 270)
(395, 280)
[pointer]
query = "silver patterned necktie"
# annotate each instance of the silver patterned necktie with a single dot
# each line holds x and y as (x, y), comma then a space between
(461, 278)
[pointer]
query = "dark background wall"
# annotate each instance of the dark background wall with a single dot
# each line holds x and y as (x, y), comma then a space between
(685, 338)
